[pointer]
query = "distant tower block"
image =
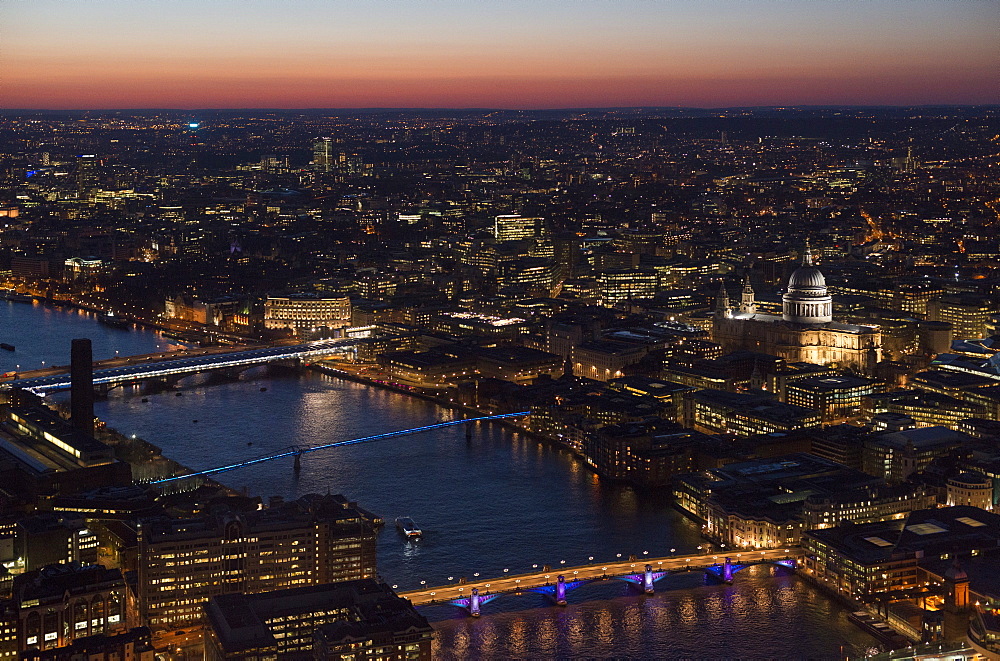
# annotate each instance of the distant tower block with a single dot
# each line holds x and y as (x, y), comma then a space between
(82, 386)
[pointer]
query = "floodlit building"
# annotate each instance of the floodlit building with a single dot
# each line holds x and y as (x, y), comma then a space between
(805, 331)
(303, 313)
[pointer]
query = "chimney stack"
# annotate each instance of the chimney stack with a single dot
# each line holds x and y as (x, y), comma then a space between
(82, 388)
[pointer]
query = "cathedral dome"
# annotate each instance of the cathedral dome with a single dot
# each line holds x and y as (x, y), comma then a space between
(806, 300)
(807, 278)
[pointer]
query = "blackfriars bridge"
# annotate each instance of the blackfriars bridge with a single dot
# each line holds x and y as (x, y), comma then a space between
(644, 574)
(174, 368)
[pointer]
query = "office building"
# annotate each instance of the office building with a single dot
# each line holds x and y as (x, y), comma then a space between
(324, 159)
(836, 397)
(285, 624)
(185, 562)
(968, 314)
(744, 414)
(517, 228)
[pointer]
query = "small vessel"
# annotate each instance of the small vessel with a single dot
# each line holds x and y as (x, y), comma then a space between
(110, 319)
(6, 347)
(406, 526)
(11, 295)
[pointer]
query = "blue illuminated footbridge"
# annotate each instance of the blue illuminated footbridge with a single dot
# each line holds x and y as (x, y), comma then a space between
(297, 450)
(179, 367)
(643, 574)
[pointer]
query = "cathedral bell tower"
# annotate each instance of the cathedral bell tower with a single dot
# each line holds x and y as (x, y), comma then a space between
(748, 304)
(722, 308)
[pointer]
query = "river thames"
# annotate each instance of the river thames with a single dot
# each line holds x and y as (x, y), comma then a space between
(500, 501)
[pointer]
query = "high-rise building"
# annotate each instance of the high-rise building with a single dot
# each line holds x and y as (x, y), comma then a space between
(87, 175)
(323, 157)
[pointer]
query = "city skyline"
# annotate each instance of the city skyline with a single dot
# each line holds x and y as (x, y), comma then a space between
(550, 54)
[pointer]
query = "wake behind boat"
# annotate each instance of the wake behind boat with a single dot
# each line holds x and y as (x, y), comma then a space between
(408, 527)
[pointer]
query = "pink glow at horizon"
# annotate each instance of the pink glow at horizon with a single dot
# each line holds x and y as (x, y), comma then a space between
(513, 54)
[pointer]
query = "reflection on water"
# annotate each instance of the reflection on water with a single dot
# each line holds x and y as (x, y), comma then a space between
(760, 617)
(500, 501)
(42, 333)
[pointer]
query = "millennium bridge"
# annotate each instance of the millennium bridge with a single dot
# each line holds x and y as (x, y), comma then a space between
(297, 451)
(643, 574)
(179, 367)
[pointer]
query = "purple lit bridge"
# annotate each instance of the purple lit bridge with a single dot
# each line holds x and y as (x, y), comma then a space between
(643, 574)
(297, 451)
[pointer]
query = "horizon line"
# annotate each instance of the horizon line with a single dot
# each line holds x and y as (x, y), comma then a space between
(507, 109)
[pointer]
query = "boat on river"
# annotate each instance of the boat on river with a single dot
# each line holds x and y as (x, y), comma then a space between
(10, 295)
(115, 322)
(406, 526)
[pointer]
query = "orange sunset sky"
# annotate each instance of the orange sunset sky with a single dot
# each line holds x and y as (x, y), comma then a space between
(513, 54)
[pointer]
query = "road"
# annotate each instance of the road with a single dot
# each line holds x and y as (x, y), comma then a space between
(515, 583)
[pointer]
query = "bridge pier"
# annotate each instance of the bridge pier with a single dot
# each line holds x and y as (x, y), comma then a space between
(285, 365)
(561, 590)
(474, 603)
(647, 580)
(298, 463)
(727, 571)
(224, 375)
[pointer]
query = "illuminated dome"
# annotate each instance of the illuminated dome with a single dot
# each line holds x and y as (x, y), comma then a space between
(807, 301)
(807, 279)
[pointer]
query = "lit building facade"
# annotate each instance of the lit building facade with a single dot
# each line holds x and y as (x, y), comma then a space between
(834, 396)
(968, 314)
(744, 414)
(970, 489)
(184, 563)
(282, 624)
(517, 228)
(616, 285)
(604, 360)
(59, 604)
(306, 312)
(805, 331)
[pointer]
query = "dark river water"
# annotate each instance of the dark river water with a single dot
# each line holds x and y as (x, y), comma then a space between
(500, 501)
